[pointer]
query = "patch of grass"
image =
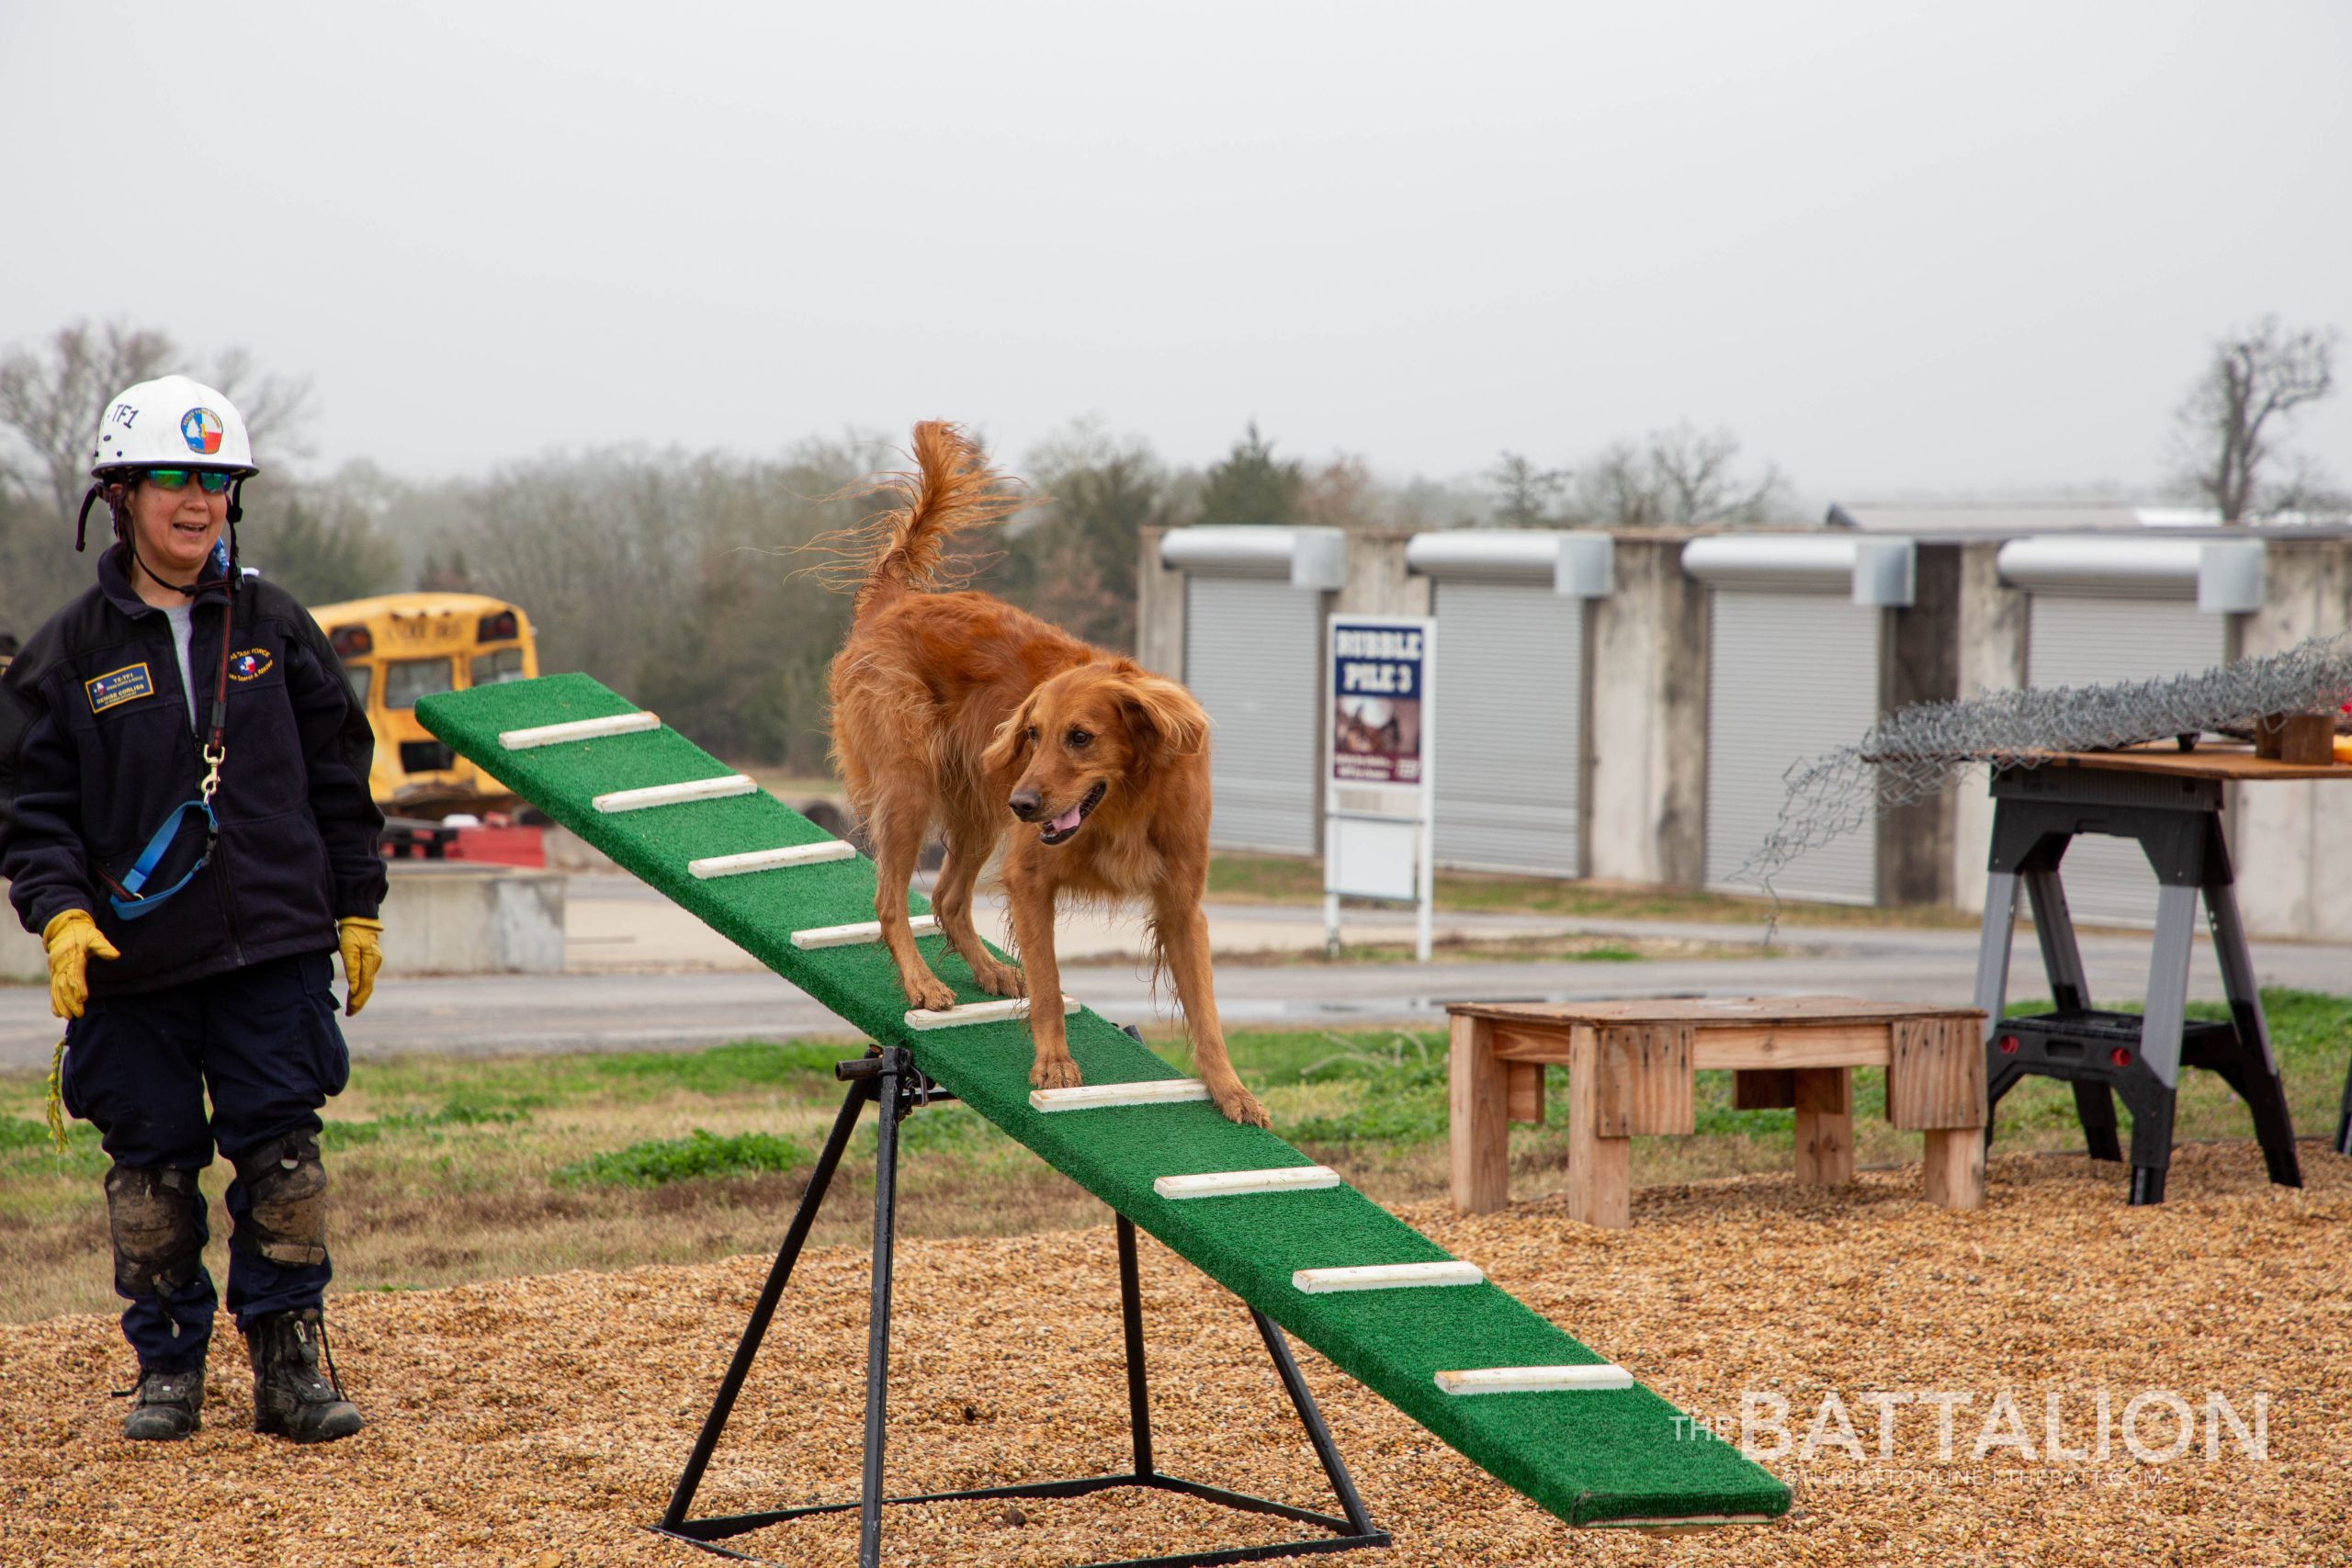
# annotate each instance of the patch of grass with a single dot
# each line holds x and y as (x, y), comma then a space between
(697, 1156)
(1280, 879)
(445, 1169)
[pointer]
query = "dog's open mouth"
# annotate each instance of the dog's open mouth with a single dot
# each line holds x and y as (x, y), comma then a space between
(1061, 827)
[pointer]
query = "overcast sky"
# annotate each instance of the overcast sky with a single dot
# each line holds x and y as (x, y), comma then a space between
(1895, 248)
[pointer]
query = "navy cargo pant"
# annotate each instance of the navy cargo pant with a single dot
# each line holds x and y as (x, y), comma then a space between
(264, 1042)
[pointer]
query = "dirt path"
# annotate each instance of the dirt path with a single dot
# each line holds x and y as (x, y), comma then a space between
(542, 1421)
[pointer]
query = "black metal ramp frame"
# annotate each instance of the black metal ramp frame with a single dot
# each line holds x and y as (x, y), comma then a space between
(890, 1078)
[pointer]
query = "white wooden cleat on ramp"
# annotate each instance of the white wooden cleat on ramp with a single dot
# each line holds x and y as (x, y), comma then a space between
(977, 1012)
(1237, 1183)
(771, 860)
(851, 935)
(675, 793)
(1387, 1276)
(1536, 1380)
(1105, 1096)
(577, 729)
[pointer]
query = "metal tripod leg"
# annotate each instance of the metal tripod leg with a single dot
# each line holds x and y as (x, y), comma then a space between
(878, 1322)
(2344, 1119)
(756, 1329)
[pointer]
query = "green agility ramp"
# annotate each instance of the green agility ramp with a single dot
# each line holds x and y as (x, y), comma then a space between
(1593, 1456)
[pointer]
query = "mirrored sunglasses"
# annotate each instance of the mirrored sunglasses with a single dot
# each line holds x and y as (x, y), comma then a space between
(211, 481)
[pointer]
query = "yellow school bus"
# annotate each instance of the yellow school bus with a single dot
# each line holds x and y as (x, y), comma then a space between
(400, 647)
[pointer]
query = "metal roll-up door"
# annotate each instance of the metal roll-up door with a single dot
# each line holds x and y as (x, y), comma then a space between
(1789, 677)
(1509, 691)
(1253, 655)
(2079, 641)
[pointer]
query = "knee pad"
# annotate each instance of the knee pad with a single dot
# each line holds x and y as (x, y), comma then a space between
(152, 1216)
(286, 1221)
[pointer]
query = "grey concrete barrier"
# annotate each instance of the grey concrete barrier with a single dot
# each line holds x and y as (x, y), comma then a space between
(451, 918)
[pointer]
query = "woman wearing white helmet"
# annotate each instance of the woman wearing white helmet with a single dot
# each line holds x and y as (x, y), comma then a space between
(184, 798)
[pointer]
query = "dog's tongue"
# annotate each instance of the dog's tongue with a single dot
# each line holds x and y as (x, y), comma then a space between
(1066, 821)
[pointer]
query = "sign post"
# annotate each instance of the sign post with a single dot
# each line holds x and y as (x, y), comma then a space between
(1379, 792)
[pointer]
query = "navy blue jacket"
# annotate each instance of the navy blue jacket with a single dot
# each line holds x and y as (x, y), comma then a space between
(95, 751)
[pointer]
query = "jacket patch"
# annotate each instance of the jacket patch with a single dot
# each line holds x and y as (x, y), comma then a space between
(249, 663)
(118, 686)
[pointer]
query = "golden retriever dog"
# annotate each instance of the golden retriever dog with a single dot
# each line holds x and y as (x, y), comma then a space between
(958, 709)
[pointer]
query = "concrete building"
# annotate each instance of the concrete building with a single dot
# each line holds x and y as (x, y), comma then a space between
(1623, 706)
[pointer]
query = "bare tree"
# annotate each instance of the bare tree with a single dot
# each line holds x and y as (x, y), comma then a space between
(51, 396)
(1525, 494)
(52, 399)
(1675, 477)
(2223, 430)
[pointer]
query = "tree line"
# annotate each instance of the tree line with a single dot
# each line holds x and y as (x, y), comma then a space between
(686, 578)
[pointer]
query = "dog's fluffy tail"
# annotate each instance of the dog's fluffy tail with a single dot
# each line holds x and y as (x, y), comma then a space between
(905, 546)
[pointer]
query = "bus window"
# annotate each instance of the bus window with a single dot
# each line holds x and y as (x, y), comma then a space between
(499, 664)
(405, 680)
(362, 678)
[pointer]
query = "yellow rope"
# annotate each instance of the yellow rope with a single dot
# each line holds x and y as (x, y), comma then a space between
(56, 1106)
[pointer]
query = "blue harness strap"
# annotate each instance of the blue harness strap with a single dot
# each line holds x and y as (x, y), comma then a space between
(137, 903)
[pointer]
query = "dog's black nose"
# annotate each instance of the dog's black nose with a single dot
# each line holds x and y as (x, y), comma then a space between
(1027, 803)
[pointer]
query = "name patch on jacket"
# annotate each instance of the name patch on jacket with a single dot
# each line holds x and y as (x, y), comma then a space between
(118, 686)
(252, 662)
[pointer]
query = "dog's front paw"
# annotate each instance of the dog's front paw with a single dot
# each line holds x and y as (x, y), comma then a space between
(1238, 1104)
(1001, 980)
(1055, 1072)
(930, 992)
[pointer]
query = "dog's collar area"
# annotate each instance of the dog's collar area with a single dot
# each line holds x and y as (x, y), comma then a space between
(1060, 829)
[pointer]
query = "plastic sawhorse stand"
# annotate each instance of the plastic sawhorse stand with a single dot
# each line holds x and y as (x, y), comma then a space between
(2178, 824)
(890, 1078)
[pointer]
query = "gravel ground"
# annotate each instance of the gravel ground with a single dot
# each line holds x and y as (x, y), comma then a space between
(541, 1422)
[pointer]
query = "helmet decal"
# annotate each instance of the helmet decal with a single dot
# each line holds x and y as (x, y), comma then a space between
(201, 429)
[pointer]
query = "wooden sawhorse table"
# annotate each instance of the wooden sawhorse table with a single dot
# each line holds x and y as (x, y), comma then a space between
(1629, 1066)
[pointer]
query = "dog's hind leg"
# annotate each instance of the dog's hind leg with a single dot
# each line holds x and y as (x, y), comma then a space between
(1184, 935)
(969, 845)
(897, 845)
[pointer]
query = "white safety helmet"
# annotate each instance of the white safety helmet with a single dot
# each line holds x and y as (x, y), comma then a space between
(172, 423)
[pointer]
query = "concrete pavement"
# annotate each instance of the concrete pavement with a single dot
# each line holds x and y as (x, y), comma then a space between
(693, 993)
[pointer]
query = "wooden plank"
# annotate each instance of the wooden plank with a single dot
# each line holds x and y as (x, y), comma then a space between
(1477, 1125)
(2306, 740)
(1525, 1041)
(1791, 1046)
(2226, 762)
(531, 739)
(968, 1013)
(1599, 1168)
(1244, 1183)
(1524, 1091)
(1763, 1089)
(1604, 1378)
(1387, 1276)
(1825, 1125)
(1111, 1096)
(1936, 1075)
(1644, 1082)
(1704, 1011)
(1954, 1161)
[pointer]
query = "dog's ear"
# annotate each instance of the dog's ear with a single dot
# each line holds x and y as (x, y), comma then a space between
(1162, 716)
(1010, 742)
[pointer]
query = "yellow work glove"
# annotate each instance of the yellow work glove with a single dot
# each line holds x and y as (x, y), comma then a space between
(355, 936)
(73, 938)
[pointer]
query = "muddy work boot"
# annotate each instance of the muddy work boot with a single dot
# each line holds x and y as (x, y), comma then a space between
(165, 1407)
(291, 1397)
